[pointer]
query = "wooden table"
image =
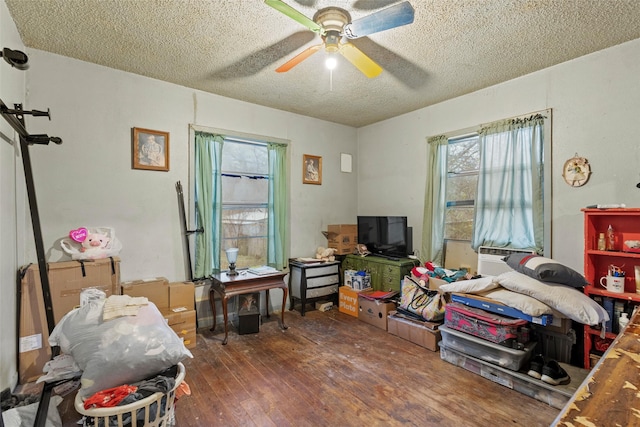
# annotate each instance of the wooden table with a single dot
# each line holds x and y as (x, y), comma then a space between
(244, 283)
(609, 394)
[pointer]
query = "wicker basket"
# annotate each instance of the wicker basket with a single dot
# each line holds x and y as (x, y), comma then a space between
(103, 416)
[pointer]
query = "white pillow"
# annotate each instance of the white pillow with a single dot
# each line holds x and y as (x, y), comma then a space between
(473, 286)
(119, 351)
(568, 301)
(524, 303)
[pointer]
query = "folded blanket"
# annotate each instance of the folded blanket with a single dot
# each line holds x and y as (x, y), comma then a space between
(122, 305)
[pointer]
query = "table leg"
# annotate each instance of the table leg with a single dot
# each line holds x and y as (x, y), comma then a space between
(212, 302)
(266, 295)
(284, 303)
(224, 314)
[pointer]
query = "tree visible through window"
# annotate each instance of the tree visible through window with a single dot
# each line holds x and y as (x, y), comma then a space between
(463, 163)
(245, 192)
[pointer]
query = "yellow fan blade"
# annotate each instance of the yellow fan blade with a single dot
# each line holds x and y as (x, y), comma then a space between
(361, 61)
(298, 59)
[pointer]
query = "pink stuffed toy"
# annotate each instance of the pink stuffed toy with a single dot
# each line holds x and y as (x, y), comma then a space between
(95, 243)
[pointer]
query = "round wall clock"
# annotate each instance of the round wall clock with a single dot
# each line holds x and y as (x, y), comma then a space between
(576, 171)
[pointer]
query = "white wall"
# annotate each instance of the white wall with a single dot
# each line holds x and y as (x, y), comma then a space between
(88, 180)
(596, 104)
(12, 200)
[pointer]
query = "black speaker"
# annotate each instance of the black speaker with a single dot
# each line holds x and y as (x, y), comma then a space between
(409, 240)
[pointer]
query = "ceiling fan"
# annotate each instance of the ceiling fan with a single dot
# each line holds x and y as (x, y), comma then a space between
(335, 27)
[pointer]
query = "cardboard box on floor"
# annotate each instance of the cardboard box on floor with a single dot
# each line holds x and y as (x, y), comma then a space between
(424, 334)
(183, 323)
(67, 279)
(374, 312)
(348, 300)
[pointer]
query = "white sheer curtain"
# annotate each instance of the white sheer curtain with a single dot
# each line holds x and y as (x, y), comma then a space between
(509, 207)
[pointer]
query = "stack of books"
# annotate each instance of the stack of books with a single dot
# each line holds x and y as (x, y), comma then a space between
(262, 270)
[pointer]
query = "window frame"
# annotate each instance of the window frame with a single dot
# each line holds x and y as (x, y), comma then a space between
(190, 204)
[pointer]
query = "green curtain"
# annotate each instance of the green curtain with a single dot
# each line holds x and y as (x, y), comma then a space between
(278, 216)
(509, 208)
(435, 201)
(208, 195)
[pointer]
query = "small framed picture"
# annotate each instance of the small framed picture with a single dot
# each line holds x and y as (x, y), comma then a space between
(311, 169)
(249, 303)
(150, 150)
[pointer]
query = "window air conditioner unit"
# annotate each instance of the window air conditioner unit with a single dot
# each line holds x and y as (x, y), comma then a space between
(490, 261)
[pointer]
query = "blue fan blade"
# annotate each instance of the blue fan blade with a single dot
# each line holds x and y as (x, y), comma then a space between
(385, 19)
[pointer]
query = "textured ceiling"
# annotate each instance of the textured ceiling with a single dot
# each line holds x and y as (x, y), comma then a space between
(232, 47)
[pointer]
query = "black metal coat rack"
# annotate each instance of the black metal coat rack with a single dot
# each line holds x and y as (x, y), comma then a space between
(15, 117)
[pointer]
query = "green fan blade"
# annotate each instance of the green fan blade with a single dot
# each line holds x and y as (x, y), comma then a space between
(295, 15)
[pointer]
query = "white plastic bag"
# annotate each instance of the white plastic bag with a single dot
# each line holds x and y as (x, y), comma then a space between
(91, 243)
(119, 351)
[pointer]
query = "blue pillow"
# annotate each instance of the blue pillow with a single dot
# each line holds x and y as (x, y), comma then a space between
(545, 269)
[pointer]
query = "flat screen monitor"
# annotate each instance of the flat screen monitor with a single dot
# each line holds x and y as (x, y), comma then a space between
(384, 235)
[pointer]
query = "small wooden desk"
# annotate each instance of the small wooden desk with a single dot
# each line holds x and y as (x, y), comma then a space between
(244, 283)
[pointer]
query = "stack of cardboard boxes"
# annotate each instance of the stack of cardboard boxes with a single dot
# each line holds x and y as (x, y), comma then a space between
(174, 300)
(67, 280)
(352, 300)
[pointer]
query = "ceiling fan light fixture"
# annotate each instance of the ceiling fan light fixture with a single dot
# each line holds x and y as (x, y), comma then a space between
(331, 62)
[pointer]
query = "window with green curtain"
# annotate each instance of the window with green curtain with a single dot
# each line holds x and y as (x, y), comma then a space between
(241, 201)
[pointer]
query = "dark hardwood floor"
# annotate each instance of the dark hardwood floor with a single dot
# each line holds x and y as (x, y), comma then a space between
(329, 369)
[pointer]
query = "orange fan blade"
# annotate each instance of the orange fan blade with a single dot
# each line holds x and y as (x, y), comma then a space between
(298, 58)
(361, 61)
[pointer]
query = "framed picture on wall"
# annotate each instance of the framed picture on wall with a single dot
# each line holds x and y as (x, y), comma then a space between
(311, 169)
(150, 149)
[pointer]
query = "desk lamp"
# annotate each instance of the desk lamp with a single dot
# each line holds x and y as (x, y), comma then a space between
(232, 257)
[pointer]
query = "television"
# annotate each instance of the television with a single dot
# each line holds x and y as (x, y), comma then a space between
(386, 236)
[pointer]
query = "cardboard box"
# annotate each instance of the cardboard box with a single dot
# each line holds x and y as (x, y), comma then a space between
(356, 281)
(342, 237)
(348, 300)
(183, 324)
(67, 280)
(435, 283)
(374, 312)
(156, 290)
(348, 275)
(182, 295)
(416, 332)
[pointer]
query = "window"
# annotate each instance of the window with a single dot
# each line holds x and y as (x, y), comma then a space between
(245, 194)
(463, 163)
(489, 187)
(240, 193)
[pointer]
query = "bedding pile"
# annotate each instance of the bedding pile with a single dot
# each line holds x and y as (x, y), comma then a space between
(537, 286)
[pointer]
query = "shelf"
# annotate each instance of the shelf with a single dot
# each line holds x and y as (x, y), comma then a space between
(594, 331)
(625, 222)
(593, 290)
(613, 253)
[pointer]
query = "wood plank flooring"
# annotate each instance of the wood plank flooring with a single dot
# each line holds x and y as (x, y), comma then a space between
(329, 369)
